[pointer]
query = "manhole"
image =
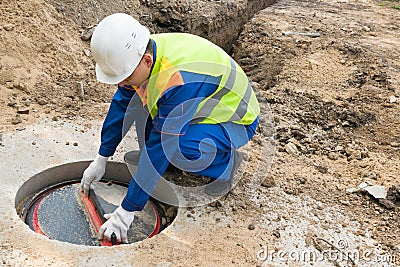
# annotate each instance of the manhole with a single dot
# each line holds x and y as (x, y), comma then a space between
(51, 204)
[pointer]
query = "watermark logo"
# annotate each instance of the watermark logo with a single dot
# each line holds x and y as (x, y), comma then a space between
(338, 252)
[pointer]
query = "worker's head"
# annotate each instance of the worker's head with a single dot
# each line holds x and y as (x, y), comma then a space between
(142, 71)
(118, 46)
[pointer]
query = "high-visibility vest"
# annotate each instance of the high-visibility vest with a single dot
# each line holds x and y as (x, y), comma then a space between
(234, 100)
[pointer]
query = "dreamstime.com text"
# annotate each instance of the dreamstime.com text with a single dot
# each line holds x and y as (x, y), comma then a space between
(332, 255)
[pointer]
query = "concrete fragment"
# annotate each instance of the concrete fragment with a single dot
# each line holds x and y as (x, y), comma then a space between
(376, 191)
(292, 149)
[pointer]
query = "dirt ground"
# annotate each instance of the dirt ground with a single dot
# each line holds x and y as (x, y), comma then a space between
(326, 74)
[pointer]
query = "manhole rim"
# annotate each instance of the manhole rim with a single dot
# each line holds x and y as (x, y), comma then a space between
(69, 173)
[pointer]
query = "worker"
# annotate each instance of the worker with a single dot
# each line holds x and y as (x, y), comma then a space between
(191, 103)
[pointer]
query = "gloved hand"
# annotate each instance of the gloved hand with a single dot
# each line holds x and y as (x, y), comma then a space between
(117, 222)
(93, 173)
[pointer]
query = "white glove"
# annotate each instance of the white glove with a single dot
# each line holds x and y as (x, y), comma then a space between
(93, 173)
(117, 222)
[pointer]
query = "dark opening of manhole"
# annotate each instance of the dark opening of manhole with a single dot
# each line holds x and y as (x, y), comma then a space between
(52, 204)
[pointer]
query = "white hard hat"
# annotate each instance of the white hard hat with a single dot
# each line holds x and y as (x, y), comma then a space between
(118, 44)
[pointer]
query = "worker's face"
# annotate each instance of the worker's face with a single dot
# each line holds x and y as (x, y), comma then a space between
(141, 73)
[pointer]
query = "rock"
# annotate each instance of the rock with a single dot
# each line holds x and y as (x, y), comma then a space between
(353, 153)
(298, 133)
(345, 124)
(367, 29)
(333, 156)
(392, 99)
(27, 102)
(363, 164)
(251, 227)
(395, 144)
(8, 26)
(42, 101)
(16, 120)
(364, 153)
(387, 204)
(339, 148)
(87, 33)
(292, 149)
(393, 193)
(171, 212)
(23, 111)
(291, 191)
(322, 169)
(371, 175)
(12, 104)
(81, 91)
(268, 182)
(302, 180)
(360, 232)
(75, 144)
(216, 204)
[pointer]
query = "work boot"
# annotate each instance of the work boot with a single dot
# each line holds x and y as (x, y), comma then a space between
(132, 157)
(220, 188)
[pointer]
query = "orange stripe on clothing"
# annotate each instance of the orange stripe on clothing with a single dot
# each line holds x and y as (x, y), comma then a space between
(175, 80)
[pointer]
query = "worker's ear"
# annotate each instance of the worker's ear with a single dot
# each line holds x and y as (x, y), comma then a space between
(148, 59)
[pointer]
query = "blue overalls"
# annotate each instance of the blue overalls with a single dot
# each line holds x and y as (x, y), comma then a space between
(205, 149)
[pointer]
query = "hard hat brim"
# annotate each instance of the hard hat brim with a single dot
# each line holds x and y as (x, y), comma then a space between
(103, 77)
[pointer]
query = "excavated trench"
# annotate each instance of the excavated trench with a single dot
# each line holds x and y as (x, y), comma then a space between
(218, 21)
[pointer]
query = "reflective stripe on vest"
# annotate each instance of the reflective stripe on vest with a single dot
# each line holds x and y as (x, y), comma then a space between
(241, 110)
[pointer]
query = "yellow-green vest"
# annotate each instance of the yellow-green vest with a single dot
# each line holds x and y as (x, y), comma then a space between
(234, 99)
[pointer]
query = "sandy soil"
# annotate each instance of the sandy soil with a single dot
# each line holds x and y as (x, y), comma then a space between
(330, 102)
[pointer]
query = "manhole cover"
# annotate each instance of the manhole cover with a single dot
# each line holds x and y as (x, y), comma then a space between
(62, 213)
(52, 204)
